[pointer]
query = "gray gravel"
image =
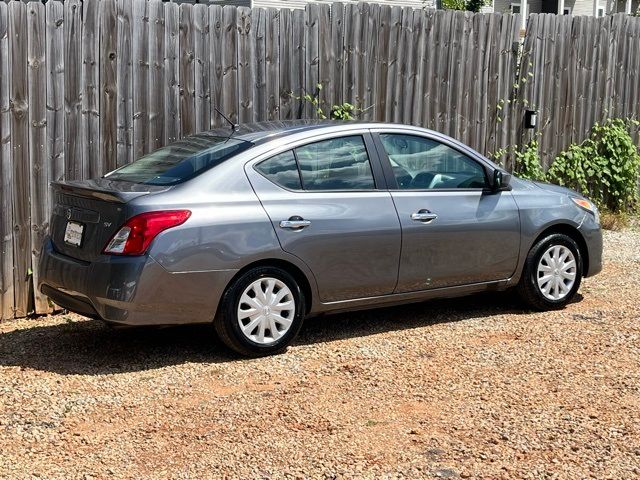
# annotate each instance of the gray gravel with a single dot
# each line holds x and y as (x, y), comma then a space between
(467, 388)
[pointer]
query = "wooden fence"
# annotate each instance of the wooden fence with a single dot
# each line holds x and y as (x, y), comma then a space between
(577, 71)
(86, 86)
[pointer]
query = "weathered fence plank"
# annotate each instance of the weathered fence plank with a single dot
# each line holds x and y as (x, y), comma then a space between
(286, 64)
(201, 63)
(258, 51)
(90, 124)
(73, 88)
(368, 61)
(39, 166)
(55, 88)
(19, 114)
(272, 63)
(187, 71)
(336, 67)
(246, 65)
(124, 65)
(486, 29)
(7, 300)
(216, 48)
(311, 67)
(579, 78)
(448, 71)
(462, 70)
(381, 77)
(298, 63)
(429, 81)
(108, 116)
(172, 73)
(423, 26)
(351, 37)
(156, 97)
(230, 106)
(407, 64)
(633, 84)
(324, 57)
(140, 45)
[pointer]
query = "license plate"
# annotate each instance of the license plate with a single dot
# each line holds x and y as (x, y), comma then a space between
(73, 234)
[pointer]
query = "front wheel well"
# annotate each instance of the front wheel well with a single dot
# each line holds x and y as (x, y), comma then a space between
(288, 267)
(573, 233)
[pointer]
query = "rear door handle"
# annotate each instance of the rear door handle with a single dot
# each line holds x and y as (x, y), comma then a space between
(424, 216)
(295, 223)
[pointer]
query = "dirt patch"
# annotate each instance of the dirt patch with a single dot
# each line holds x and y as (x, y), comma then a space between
(472, 388)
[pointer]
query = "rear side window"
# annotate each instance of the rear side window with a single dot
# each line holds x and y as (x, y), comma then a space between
(282, 170)
(180, 161)
(335, 164)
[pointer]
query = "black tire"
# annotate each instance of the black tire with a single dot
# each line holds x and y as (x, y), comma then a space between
(528, 288)
(226, 321)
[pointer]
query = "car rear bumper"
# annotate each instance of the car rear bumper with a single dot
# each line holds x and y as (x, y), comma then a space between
(130, 290)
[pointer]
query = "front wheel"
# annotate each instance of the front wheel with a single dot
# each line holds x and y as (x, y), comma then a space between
(552, 273)
(261, 312)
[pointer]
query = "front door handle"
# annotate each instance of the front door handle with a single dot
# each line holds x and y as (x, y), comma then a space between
(424, 216)
(295, 223)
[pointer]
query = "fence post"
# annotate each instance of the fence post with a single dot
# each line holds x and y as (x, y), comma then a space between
(39, 165)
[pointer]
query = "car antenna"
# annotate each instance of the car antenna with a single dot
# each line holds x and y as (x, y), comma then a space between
(234, 126)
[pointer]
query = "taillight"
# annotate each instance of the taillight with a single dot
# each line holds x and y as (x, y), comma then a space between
(138, 232)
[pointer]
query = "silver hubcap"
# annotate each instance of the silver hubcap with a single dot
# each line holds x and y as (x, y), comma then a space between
(266, 310)
(556, 272)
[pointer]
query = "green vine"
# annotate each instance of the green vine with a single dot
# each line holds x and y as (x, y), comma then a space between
(343, 111)
(527, 162)
(605, 167)
(468, 5)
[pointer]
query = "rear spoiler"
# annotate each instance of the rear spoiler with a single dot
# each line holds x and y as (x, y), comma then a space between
(107, 190)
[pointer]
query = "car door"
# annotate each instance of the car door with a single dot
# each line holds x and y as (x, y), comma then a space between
(330, 210)
(455, 231)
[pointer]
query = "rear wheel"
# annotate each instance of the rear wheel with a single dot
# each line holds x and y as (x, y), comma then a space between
(261, 312)
(552, 273)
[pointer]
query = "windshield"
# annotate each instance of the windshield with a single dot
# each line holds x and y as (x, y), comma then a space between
(180, 161)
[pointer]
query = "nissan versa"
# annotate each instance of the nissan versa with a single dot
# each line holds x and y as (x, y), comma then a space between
(255, 227)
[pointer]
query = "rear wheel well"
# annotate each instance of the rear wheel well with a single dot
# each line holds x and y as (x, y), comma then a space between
(288, 267)
(572, 233)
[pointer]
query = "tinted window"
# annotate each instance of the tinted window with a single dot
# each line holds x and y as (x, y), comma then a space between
(180, 161)
(419, 163)
(281, 170)
(336, 164)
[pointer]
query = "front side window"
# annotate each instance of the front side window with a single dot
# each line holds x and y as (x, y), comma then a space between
(420, 163)
(180, 161)
(335, 164)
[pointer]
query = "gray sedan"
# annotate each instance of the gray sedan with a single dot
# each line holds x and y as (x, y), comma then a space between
(254, 228)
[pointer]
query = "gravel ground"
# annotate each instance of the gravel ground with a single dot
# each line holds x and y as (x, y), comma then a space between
(468, 388)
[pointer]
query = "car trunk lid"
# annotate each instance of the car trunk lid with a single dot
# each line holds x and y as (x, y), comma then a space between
(86, 214)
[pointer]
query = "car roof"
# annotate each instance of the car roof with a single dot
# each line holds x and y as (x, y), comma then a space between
(259, 132)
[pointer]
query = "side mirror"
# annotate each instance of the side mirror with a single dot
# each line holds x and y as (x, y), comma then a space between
(501, 181)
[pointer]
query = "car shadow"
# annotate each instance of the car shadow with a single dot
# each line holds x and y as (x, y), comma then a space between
(93, 348)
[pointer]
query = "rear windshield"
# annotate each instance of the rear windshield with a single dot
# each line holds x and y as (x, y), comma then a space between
(180, 161)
